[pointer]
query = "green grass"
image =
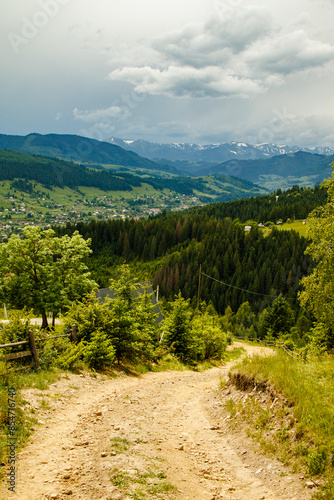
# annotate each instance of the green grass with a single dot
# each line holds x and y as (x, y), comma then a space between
(119, 445)
(307, 437)
(296, 226)
(236, 353)
(164, 487)
(169, 362)
(24, 419)
(125, 480)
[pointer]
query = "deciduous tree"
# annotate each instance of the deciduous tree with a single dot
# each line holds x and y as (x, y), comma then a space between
(44, 272)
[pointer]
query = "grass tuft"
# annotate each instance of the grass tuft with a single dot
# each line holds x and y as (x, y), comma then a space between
(119, 445)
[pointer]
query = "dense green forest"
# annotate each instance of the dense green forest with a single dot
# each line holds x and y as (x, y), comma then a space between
(252, 267)
(296, 202)
(52, 172)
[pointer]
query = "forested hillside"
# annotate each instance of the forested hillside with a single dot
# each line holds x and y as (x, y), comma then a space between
(254, 267)
(76, 148)
(52, 172)
(296, 202)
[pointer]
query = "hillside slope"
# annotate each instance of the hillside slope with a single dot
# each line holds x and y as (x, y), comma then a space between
(304, 169)
(76, 148)
(60, 173)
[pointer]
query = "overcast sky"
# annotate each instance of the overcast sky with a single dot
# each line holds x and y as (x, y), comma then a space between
(198, 71)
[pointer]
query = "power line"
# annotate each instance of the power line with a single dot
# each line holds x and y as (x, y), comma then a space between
(237, 288)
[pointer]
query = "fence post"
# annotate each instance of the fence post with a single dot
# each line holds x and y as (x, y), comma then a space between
(74, 333)
(33, 348)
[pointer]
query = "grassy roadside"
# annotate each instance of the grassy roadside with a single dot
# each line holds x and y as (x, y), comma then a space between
(15, 420)
(297, 428)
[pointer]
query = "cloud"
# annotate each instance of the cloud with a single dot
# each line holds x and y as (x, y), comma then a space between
(293, 130)
(217, 40)
(187, 81)
(240, 53)
(290, 52)
(98, 114)
(99, 131)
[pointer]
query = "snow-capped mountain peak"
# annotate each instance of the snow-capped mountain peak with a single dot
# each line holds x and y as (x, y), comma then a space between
(213, 153)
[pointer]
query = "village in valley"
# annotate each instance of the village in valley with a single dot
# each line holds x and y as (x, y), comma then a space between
(18, 209)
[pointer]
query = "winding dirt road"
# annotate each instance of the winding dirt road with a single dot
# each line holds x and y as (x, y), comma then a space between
(160, 435)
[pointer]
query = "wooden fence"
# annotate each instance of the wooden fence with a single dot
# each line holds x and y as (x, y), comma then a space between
(274, 343)
(33, 351)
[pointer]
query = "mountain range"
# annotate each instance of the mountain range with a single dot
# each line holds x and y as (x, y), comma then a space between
(212, 153)
(266, 165)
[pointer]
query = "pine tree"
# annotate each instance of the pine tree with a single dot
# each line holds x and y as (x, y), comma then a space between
(177, 328)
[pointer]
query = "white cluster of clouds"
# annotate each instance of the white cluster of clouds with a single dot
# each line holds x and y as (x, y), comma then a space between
(98, 114)
(185, 71)
(240, 53)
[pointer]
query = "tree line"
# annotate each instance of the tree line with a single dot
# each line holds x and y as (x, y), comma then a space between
(296, 202)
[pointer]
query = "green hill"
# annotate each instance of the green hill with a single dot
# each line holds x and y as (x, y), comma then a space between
(78, 149)
(283, 171)
(52, 172)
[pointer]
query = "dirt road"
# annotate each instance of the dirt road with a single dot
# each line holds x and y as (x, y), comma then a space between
(160, 435)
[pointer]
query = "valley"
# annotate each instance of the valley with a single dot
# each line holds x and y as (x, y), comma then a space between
(61, 206)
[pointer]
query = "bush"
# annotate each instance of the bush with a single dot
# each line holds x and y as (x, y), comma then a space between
(178, 329)
(100, 351)
(209, 341)
(317, 345)
(90, 315)
(194, 337)
(16, 330)
(70, 357)
(53, 349)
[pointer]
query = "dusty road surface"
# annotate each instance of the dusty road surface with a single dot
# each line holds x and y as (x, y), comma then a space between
(160, 435)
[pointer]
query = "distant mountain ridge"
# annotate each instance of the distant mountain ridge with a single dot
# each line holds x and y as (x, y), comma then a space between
(217, 153)
(290, 167)
(76, 148)
(283, 171)
(266, 165)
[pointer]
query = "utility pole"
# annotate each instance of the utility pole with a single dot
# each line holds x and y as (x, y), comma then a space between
(199, 285)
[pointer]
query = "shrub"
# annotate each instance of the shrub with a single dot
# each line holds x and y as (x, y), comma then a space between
(70, 357)
(317, 345)
(16, 330)
(53, 349)
(209, 341)
(178, 330)
(99, 351)
(90, 315)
